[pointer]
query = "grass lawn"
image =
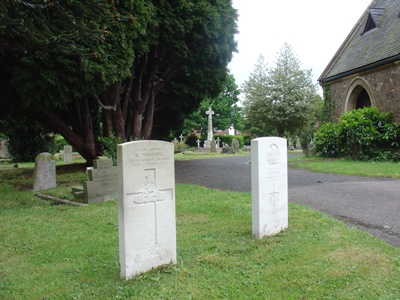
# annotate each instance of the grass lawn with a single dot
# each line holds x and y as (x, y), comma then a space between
(67, 252)
(347, 166)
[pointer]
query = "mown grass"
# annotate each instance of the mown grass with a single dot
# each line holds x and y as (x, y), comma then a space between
(347, 167)
(66, 252)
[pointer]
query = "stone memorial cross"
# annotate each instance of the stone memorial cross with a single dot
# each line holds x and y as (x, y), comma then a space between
(210, 128)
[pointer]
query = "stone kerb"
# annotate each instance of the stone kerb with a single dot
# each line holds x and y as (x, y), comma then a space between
(146, 206)
(269, 185)
(44, 174)
(102, 183)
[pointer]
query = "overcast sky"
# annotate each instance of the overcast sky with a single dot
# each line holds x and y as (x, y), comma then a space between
(315, 29)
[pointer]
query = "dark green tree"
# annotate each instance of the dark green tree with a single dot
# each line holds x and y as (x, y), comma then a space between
(121, 68)
(280, 97)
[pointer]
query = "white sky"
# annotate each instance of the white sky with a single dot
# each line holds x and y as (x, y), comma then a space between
(314, 28)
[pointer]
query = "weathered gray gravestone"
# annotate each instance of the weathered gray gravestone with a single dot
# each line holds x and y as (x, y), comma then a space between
(213, 146)
(67, 154)
(269, 186)
(102, 181)
(146, 206)
(44, 174)
(298, 146)
(235, 144)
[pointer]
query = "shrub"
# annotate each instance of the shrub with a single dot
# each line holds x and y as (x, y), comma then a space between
(326, 140)
(363, 134)
(109, 145)
(27, 140)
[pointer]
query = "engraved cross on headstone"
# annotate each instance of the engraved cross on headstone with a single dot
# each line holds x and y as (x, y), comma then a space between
(151, 195)
(273, 195)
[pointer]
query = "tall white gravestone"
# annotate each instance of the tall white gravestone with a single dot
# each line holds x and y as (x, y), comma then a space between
(146, 206)
(269, 186)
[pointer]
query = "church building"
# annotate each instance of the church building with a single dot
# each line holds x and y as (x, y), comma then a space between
(365, 71)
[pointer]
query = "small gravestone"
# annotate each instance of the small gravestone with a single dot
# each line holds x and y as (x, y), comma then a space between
(101, 184)
(198, 143)
(290, 144)
(44, 174)
(228, 150)
(235, 144)
(298, 146)
(67, 154)
(269, 186)
(213, 146)
(217, 142)
(146, 206)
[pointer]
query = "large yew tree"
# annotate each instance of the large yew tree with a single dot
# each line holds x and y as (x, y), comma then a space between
(132, 69)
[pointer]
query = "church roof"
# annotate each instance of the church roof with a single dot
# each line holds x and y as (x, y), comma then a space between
(373, 41)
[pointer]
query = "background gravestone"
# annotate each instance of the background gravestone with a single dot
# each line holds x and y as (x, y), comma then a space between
(67, 154)
(44, 174)
(146, 206)
(235, 145)
(102, 181)
(269, 186)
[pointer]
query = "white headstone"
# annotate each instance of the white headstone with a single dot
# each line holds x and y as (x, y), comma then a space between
(198, 143)
(44, 174)
(269, 186)
(146, 206)
(67, 154)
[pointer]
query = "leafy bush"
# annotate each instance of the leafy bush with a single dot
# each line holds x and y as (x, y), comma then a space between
(180, 147)
(363, 134)
(327, 143)
(60, 142)
(27, 140)
(109, 145)
(191, 140)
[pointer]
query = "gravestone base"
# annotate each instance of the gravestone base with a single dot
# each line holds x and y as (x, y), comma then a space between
(78, 192)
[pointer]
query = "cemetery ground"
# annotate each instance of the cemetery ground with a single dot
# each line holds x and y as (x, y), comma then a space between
(51, 251)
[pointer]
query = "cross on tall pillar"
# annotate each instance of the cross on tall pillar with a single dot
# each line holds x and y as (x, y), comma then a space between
(210, 129)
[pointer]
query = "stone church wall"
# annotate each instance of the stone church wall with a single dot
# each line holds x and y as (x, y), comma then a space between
(385, 88)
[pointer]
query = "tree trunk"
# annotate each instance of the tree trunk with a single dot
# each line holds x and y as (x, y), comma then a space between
(148, 120)
(55, 122)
